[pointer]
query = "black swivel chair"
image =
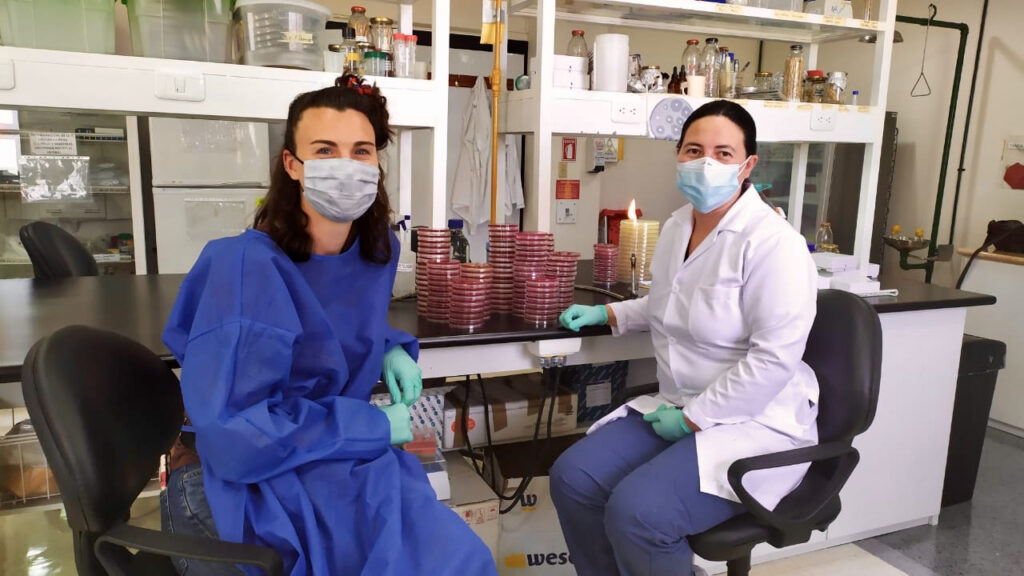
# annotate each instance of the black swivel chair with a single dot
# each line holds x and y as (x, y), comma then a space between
(845, 351)
(105, 408)
(55, 253)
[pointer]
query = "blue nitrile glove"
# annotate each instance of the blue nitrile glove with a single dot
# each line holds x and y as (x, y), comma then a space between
(668, 422)
(403, 376)
(401, 422)
(577, 316)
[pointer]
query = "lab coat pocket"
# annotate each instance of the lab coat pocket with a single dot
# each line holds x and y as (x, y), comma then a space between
(715, 316)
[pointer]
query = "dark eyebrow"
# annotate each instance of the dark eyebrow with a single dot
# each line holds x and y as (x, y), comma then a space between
(364, 143)
(327, 142)
(694, 144)
(724, 147)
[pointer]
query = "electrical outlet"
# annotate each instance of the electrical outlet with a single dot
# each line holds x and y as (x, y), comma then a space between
(627, 111)
(823, 119)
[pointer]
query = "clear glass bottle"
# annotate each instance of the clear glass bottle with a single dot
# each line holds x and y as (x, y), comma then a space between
(460, 245)
(578, 45)
(410, 44)
(814, 87)
(824, 241)
(709, 68)
(726, 76)
(691, 58)
(359, 24)
(400, 56)
(794, 74)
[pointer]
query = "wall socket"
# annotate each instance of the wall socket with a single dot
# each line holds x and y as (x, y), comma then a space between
(627, 111)
(823, 119)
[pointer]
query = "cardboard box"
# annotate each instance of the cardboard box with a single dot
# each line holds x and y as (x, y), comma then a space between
(599, 387)
(427, 412)
(514, 402)
(474, 501)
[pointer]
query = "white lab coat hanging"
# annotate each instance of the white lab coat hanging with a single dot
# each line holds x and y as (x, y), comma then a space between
(471, 187)
(729, 325)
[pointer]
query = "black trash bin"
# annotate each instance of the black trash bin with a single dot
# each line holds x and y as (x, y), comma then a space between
(980, 362)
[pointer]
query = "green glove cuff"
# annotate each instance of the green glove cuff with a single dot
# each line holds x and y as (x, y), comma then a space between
(683, 422)
(604, 314)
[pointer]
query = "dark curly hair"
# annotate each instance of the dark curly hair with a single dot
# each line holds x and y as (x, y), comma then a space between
(281, 215)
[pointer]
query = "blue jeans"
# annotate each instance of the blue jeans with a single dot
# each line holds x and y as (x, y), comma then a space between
(184, 510)
(627, 500)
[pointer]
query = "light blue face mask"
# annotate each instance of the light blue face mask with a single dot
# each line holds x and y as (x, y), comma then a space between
(339, 189)
(707, 183)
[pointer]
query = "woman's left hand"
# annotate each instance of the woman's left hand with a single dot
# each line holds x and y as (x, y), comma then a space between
(668, 422)
(403, 376)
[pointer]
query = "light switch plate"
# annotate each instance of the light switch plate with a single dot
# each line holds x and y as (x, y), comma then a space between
(177, 85)
(565, 211)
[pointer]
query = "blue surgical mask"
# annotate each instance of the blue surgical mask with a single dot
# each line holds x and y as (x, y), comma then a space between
(707, 183)
(340, 189)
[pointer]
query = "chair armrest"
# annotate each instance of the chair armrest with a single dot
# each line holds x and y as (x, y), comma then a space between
(184, 546)
(843, 454)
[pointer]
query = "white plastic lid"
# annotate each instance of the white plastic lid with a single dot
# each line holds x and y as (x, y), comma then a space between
(287, 3)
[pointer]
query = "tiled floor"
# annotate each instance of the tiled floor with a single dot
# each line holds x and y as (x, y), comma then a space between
(984, 537)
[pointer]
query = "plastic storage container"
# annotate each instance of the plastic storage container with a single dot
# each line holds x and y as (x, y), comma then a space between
(73, 25)
(281, 33)
(181, 29)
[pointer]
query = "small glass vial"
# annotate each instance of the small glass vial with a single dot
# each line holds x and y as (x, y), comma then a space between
(793, 74)
(375, 63)
(824, 241)
(763, 81)
(853, 97)
(835, 88)
(814, 87)
(400, 56)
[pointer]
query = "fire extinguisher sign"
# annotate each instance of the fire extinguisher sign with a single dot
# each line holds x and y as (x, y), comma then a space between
(568, 149)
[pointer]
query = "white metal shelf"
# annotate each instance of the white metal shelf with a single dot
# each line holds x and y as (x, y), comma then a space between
(33, 78)
(16, 189)
(587, 112)
(710, 17)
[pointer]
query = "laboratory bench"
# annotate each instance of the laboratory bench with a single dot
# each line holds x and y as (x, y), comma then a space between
(897, 485)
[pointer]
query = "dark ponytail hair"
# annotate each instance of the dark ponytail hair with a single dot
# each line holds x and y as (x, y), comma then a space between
(731, 110)
(281, 215)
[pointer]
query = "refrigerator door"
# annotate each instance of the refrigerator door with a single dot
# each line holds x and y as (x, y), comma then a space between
(208, 153)
(191, 217)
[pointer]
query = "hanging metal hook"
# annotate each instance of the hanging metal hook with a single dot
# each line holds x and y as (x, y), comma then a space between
(933, 11)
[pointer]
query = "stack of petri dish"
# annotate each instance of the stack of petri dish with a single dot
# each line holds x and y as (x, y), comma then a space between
(542, 301)
(562, 265)
(478, 272)
(637, 238)
(532, 250)
(605, 257)
(467, 303)
(440, 276)
(432, 245)
(501, 257)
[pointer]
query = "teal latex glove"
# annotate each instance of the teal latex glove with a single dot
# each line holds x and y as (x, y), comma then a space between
(668, 422)
(403, 376)
(577, 316)
(401, 422)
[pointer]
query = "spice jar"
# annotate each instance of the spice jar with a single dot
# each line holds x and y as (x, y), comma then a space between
(375, 63)
(793, 74)
(381, 30)
(359, 25)
(835, 88)
(763, 81)
(814, 87)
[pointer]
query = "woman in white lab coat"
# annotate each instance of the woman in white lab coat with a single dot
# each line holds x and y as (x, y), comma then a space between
(731, 303)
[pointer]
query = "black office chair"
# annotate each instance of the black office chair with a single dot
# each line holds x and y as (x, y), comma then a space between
(105, 408)
(845, 351)
(55, 253)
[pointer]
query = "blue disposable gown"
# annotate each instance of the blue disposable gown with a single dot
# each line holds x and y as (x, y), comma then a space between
(278, 359)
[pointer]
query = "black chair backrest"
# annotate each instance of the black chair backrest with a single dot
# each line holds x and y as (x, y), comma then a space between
(845, 351)
(56, 253)
(105, 408)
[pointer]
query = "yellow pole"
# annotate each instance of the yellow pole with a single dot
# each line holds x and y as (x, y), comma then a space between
(495, 93)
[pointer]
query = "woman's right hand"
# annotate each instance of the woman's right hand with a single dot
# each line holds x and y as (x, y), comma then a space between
(401, 422)
(577, 316)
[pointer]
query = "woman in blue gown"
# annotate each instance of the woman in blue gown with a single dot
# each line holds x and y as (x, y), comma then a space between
(282, 333)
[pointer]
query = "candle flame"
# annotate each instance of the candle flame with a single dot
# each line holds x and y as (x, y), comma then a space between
(632, 210)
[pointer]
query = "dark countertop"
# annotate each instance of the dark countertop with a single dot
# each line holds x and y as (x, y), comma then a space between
(138, 307)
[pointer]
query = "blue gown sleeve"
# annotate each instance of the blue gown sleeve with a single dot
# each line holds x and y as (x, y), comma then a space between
(395, 337)
(249, 427)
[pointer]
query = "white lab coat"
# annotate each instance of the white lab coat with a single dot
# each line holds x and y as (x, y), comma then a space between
(471, 184)
(729, 326)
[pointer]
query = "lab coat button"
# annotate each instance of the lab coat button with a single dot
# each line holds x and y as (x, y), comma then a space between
(675, 289)
(671, 340)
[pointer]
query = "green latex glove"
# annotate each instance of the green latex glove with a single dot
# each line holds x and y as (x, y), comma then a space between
(577, 316)
(403, 376)
(401, 422)
(668, 422)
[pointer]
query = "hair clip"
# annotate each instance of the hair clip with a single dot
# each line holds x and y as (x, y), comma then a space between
(356, 83)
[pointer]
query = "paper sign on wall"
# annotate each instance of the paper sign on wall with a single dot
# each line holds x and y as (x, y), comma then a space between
(569, 149)
(567, 189)
(53, 143)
